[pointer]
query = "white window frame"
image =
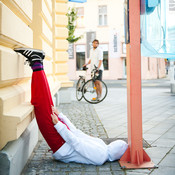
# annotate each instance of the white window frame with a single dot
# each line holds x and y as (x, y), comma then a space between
(102, 14)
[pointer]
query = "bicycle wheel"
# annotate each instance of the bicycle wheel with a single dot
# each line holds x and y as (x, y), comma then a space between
(79, 87)
(89, 92)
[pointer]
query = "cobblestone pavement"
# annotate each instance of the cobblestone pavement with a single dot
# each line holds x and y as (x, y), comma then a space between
(85, 118)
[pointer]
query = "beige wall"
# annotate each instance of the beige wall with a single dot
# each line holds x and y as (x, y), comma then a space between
(37, 24)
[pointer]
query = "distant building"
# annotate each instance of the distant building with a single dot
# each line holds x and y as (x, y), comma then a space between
(104, 20)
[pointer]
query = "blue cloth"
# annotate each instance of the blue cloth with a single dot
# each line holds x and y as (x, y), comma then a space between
(157, 29)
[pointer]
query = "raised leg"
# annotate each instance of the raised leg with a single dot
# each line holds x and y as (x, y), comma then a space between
(42, 101)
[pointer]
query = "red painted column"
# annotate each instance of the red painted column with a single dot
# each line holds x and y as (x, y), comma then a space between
(135, 156)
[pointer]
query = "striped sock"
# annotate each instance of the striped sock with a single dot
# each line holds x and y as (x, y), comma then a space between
(37, 66)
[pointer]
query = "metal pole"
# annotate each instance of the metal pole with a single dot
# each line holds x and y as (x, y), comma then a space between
(135, 156)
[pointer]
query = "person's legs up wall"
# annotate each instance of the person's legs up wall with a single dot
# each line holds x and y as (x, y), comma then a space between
(42, 101)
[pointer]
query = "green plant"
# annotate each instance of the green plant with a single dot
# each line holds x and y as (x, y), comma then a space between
(72, 17)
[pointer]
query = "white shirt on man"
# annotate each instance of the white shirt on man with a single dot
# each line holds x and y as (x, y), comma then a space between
(96, 55)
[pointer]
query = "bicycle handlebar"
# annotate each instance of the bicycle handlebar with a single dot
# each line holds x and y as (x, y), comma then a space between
(84, 68)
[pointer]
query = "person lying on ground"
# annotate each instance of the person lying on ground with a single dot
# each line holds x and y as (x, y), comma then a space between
(67, 142)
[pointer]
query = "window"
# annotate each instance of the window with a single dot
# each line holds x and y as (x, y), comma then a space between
(80, 56)
(172, 5)
(105, 60)
(104, 48)
(80, 15)
(102, 11)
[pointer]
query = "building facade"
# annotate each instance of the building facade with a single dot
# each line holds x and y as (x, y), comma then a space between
(39, 24)
(104, 20)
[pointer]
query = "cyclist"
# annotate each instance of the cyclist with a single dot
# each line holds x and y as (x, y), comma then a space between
(96, 58)
(67, 143)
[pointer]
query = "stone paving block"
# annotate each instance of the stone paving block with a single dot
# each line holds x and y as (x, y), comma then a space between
(43, 172)
(168, 161)
(67, 169)
(34, 164)
(173, 150)
(147, 127)
(75, 173)
(136, 173)
(157, 130)
(90, 168)
(54, 170)
(90, 173)
(58, 173)
(139, 171)
(165, 125)
(172, 129)
(104, 168)
(162, 170)
(156, 161)
(105, 173)
(169, 143)
(61, 165)
(151, 138)
(119, 173)
(157, 152)
(168, 135)
(115, 166)
(30, 172)
(75, 165)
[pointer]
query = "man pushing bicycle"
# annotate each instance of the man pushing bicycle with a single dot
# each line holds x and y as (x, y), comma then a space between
(96, 58)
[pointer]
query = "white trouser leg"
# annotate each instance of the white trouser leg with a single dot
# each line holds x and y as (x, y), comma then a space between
(95, 152)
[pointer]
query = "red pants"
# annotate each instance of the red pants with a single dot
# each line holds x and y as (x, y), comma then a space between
(42, 101)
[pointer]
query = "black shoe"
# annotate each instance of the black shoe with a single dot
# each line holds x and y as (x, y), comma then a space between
(32, 55)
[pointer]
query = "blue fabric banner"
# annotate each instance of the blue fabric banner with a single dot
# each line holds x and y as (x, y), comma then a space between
(157, 29)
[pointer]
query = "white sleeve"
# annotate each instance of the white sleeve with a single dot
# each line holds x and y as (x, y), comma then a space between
(100, 54)
(63, 118)
(90, 54)
(65, 133)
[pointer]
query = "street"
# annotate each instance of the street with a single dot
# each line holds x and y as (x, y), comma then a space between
(108, 119)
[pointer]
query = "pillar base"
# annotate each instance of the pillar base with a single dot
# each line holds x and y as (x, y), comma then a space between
(125, 161)
(128, 165)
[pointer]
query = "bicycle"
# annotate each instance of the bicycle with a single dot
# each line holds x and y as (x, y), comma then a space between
(87, 89)
(79, 86)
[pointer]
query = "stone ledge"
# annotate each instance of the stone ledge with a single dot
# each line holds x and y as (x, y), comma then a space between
(67, 84)
(15, 154)
(15, 122)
